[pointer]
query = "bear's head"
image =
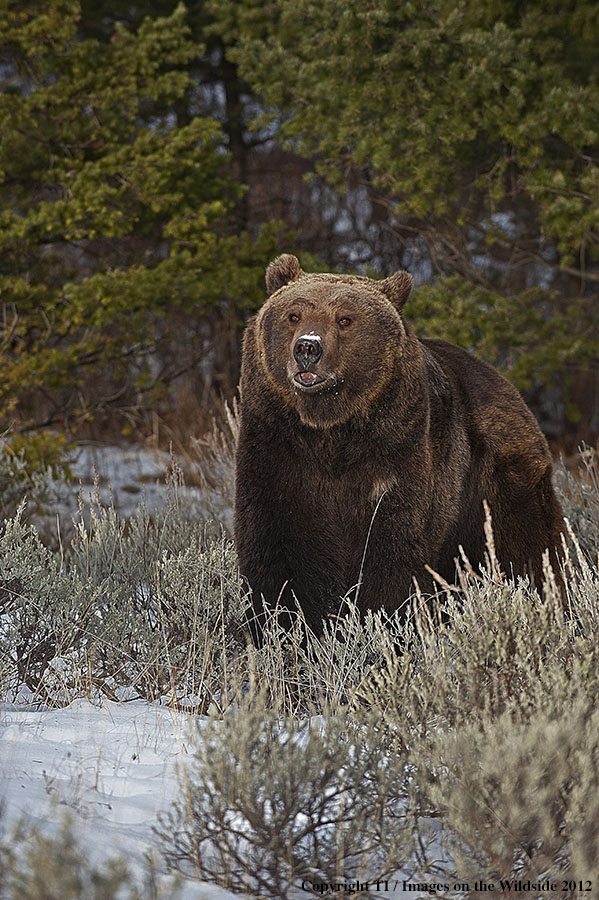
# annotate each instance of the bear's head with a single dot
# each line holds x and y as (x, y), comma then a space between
(328, 343)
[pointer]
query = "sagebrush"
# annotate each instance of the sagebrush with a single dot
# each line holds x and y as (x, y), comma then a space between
(457, 744)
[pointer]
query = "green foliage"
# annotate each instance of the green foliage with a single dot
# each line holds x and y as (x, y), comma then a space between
(527, 337)
(477, 123)
(114, 220)
(35, 466)
(39, 451)
(436, 97)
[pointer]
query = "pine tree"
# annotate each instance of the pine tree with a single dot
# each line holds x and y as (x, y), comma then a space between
(478, 123)
(117, 235)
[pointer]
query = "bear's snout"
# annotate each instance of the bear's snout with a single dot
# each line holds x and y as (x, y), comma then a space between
(307, 350)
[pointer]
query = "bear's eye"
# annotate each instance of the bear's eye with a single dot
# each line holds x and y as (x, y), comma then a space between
(344, 321)
(293, 317)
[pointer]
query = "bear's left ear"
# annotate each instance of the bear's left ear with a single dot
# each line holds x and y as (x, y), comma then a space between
(281, 271)
(397, 287)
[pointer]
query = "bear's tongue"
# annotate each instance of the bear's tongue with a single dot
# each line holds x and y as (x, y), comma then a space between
(307, 377)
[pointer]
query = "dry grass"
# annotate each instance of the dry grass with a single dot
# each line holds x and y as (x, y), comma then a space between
(459, 744)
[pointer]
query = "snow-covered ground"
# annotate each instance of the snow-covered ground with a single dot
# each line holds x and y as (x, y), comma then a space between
(111, 767)
(123, 476)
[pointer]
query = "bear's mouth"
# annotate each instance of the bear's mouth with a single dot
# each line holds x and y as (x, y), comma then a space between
(307, 379)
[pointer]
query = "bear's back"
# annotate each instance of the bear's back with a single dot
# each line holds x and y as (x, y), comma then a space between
(497, 414)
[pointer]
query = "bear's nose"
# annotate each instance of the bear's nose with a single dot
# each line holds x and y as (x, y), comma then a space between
(307, 350)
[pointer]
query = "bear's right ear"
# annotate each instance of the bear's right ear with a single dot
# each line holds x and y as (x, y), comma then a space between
(281, 271)
(397, 287)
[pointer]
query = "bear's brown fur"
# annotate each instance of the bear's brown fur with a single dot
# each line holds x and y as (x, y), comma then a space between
(365, 454)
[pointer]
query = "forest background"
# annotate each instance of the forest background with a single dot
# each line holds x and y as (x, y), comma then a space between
(155, 156)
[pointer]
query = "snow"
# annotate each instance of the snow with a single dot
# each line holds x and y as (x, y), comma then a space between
(112, 767)
(123, 476)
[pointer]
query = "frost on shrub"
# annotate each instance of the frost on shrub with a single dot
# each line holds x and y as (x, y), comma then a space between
(268, 802)
(38, 866)
(44, 611)
(35, 467)
(152, 606)
(521, 799)
(171, 603)
(579, 496)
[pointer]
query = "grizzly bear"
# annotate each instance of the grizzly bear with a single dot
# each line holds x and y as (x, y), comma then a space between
(365, 453)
